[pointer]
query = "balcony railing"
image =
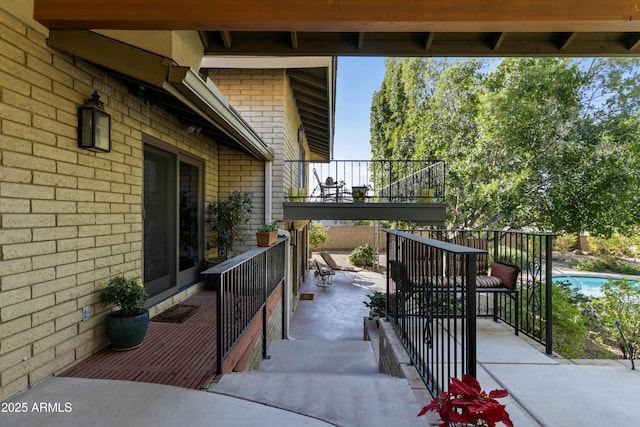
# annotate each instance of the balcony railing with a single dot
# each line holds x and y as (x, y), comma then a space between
(433, 297)
(378, 181)
(243, 285)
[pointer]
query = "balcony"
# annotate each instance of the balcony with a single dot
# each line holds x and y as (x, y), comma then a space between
(397, 190)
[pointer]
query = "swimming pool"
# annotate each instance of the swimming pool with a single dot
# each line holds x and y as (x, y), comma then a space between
(586, 285)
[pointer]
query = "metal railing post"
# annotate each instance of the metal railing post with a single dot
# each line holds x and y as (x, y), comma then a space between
(265, 295)
(471, 352)
(549, 295)
(220, 332)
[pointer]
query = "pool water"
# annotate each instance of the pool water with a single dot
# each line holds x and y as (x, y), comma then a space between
(586, 285)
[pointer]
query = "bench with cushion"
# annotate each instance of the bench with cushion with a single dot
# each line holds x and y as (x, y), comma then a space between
(501, 279)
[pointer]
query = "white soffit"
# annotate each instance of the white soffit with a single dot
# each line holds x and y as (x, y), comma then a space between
(257, 62)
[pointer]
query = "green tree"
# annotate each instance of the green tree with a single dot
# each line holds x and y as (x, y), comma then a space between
(547, 142)
(621, 302)
(318, 234)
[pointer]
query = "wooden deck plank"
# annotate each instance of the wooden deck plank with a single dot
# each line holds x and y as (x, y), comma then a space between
(180, 354)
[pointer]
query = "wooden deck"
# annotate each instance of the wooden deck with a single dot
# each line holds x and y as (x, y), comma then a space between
(179, 354)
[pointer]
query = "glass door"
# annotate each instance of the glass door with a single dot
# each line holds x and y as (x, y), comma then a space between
(190, 241)
(159, 218)
(173, 225)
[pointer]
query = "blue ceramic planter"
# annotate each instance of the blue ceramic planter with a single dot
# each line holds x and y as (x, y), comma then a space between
(126, 333)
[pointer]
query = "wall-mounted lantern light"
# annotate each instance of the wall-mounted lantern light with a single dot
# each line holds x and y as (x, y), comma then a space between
(300, 134)
(94, 125)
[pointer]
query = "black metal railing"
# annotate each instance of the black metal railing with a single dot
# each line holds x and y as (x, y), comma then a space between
(433, 297)
(243, 285)
(431, 300)
(380, 181)
(531, 253)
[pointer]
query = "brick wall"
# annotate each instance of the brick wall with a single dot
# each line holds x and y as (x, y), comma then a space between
(241, 172)
(265, 100)
(346, 238)
(69, 218)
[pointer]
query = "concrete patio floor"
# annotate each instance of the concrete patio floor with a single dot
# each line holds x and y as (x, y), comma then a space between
(331, 380)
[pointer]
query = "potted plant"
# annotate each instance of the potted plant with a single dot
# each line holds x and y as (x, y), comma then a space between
(228, 219)
(377, 304)
(465, 404)
(426, 195)
(296, 194)
(126, 326)
(268, 234)
(359, 193)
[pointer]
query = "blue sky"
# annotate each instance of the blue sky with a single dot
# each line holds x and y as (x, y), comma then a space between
(358, 78)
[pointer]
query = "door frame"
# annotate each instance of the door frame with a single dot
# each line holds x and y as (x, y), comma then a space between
(180, 156)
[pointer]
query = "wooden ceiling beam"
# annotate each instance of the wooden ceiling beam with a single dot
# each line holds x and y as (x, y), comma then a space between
(428, 40)
(226, 39)
(345, 15)
(632, 41)
(496, 40)
(307, 79)
(564, 40)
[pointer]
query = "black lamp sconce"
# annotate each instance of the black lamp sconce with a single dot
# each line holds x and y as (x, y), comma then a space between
(300, 134)
(94, 125)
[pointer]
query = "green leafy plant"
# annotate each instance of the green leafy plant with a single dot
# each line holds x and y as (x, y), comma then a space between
(363, 256)
(465, 404)
(228, 219)
(569, 329)
(615, 245)
(318, 234)
(565, 243)
(607, 264)
(269, 227)
(128, 295)
(377, 304)
(621, 302)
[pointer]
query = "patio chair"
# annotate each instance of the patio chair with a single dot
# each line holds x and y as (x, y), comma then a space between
(320, 185)
(332, 192)
(324, 275)
(332, 263)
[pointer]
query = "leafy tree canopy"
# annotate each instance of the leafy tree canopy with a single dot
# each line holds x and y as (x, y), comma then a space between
(544, 143)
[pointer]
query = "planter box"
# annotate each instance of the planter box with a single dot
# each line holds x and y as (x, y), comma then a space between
(296, 194)
(359, 194)
(426, 195)
(267, 239)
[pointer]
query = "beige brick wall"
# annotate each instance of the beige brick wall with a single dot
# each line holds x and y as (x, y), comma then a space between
(265, 100)
(346, 238)
(69, 218)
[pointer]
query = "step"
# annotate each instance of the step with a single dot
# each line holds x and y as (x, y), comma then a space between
(330, 357)
(372, 400)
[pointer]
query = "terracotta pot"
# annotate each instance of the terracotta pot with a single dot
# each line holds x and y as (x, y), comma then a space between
(266, 239)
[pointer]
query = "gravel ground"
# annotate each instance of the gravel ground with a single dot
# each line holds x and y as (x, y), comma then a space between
(342, 259)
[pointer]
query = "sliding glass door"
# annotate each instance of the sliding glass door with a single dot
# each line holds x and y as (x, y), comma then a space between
(173, 249)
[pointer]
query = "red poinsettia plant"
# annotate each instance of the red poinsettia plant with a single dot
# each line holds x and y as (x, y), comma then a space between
(466, 404)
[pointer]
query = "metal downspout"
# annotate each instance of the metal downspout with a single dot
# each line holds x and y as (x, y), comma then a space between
(268, 192)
